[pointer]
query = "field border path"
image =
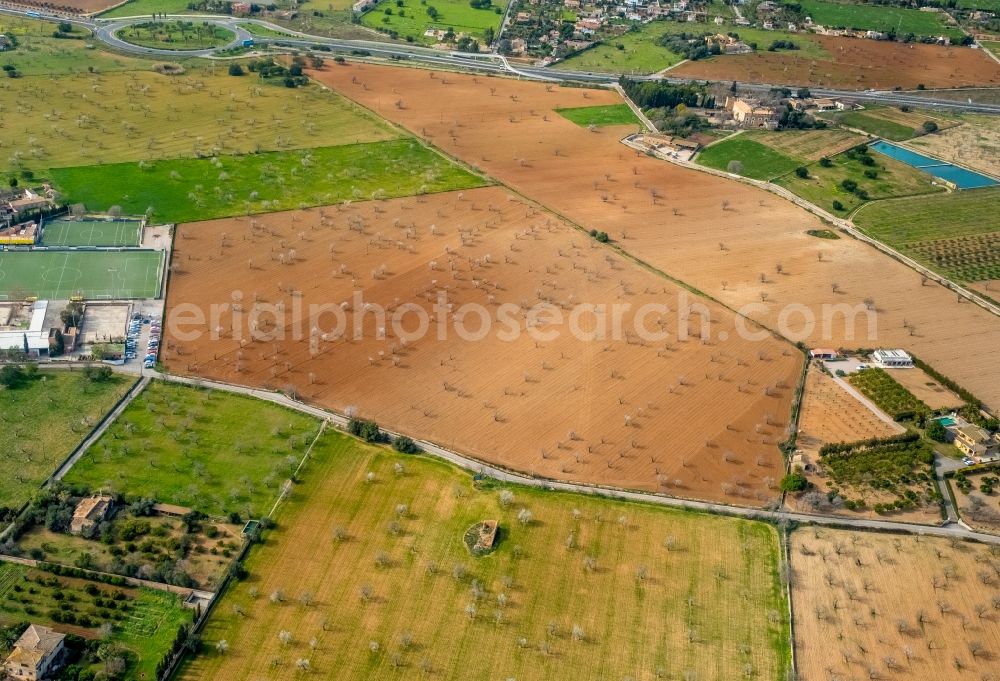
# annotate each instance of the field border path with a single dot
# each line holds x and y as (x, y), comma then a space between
(504, 475)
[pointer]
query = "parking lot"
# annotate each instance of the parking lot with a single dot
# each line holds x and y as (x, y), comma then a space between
(142, 339)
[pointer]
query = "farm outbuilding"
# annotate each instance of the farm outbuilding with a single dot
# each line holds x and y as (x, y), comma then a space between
(894, 359)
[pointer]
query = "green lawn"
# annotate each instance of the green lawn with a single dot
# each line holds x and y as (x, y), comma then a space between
(823, 185)
(759, 161)
(42, 421)
(653, 592)
(177, 35)
(137, 8)
(188, 190)
(957, 234)
(91, 274)
(872, 124)
(213, 451)
(145, 621)
(878, 18)
(412, 18)
(611, 114)
(262, 31)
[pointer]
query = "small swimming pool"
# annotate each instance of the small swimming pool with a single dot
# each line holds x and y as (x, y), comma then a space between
(946, 421)
(960, 177)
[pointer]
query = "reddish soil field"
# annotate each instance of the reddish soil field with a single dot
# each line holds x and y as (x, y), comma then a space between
(831, 414)
(715, 234)
(857, 65)
(689, 418)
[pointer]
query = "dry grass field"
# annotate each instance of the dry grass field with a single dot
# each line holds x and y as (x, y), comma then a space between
(856, 618)
(926, 389)
(577, 587)
(83, 119)
(856, 64)
(811, 145)
(974, 143)
(718, 235)
(622, 411)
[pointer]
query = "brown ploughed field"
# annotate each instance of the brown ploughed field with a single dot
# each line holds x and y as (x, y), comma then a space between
(917, 608)
(723, 237)
(856, 65)
(685, 417)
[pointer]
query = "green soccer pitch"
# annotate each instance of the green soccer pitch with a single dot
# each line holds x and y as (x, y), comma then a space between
(90, 232)
(94, 275)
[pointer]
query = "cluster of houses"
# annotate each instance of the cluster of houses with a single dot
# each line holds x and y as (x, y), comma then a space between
(974, 442)
(823, 104)
(16, 204)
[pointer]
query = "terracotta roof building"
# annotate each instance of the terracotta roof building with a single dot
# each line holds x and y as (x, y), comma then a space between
(36, 654)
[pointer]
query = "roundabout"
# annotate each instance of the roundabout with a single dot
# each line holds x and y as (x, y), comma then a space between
(177, 35)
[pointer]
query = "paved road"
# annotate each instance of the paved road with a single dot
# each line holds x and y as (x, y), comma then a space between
(106, 30)
(471, 464)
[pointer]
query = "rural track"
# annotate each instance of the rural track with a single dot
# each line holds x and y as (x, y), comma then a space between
(957, 531)
(95, 435)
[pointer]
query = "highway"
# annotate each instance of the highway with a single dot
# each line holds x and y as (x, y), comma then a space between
(106, 31)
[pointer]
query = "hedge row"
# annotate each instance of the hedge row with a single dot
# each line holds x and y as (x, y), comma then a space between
(833, 448)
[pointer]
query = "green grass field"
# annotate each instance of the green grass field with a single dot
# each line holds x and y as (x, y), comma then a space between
(990, 5)
(823, 185)
(213, 451)
(145, 116)
(957, 234)
(880, 127)
(188, 190)
(42, 421)
(759, 161)
(878, 18)
(91, 274)
(91, 232)
(611, 114)
(640, 54)
(956, 214)
(38, 53)
(177, 35)
(144, 623)
(588, 588)
(137, 8)
(412, 19)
